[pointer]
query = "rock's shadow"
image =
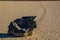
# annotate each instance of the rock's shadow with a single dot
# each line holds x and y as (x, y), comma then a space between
(5, 35)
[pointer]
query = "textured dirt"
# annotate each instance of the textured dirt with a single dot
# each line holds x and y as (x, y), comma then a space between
(48, 18)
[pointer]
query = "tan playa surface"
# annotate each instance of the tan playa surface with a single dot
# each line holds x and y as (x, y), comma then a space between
(48, 18)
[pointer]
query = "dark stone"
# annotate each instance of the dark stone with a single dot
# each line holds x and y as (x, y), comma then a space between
(26, 22)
